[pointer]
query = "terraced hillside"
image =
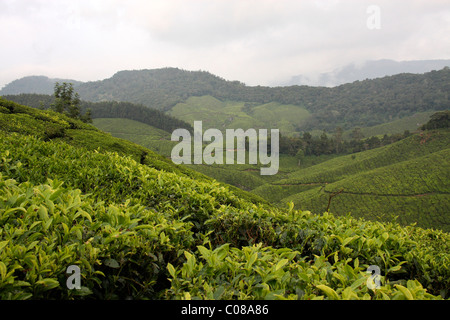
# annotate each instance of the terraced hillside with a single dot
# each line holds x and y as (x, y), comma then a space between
(408, 179)
(234, 115)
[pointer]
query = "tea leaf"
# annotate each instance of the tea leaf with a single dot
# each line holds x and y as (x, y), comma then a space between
(331, 294)
(112, 263)
(48, 283)
(42, 212)
(3, 270)
(219, 292)
(171, 270)
(204, 252)
(405, 291)
(3, 244)
(83, 291)
(281, 264)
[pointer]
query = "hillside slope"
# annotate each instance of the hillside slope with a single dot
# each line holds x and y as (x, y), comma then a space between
(140, 133)
(145, 233)
(234, 115)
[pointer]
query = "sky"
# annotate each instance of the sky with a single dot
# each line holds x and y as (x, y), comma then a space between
(258, 42)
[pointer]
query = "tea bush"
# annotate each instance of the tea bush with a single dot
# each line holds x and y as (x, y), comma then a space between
(256, 272)
(122, 250)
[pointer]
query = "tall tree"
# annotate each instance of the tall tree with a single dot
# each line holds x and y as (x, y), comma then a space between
(67, 101)
(338, 139)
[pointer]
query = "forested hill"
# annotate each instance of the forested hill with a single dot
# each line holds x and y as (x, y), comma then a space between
(158, 88)
(361, 103)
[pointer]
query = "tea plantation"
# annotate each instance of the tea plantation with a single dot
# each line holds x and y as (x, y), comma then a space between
(139, 227)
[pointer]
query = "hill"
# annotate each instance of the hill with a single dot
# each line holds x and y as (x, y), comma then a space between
(409, 123)
(139, 231)
(361, 103)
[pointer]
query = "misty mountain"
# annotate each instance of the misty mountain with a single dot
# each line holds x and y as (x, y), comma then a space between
(371, 69)
(34, 84)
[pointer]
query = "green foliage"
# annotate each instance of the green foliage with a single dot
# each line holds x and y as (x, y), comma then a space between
(233, 115)
(39, 123)
(410, 123)
(137, 221)
(140, 133)
(137, 112)
(406, 180)
(46, 124)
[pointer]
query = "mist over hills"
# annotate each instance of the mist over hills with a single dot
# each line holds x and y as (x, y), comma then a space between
(370, 69)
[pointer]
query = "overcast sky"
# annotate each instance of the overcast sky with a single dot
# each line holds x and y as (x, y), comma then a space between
(257, 42)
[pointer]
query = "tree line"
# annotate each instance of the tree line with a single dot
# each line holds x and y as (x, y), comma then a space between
(105, 109)
(309, 145)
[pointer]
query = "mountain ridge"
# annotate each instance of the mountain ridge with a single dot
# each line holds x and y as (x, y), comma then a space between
(361, 103)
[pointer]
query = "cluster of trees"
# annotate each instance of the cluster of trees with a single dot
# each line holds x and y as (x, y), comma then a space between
(335, 144)
(128, 110)
(438, 120)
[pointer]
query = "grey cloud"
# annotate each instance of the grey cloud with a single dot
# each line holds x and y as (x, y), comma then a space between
(253, 41)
